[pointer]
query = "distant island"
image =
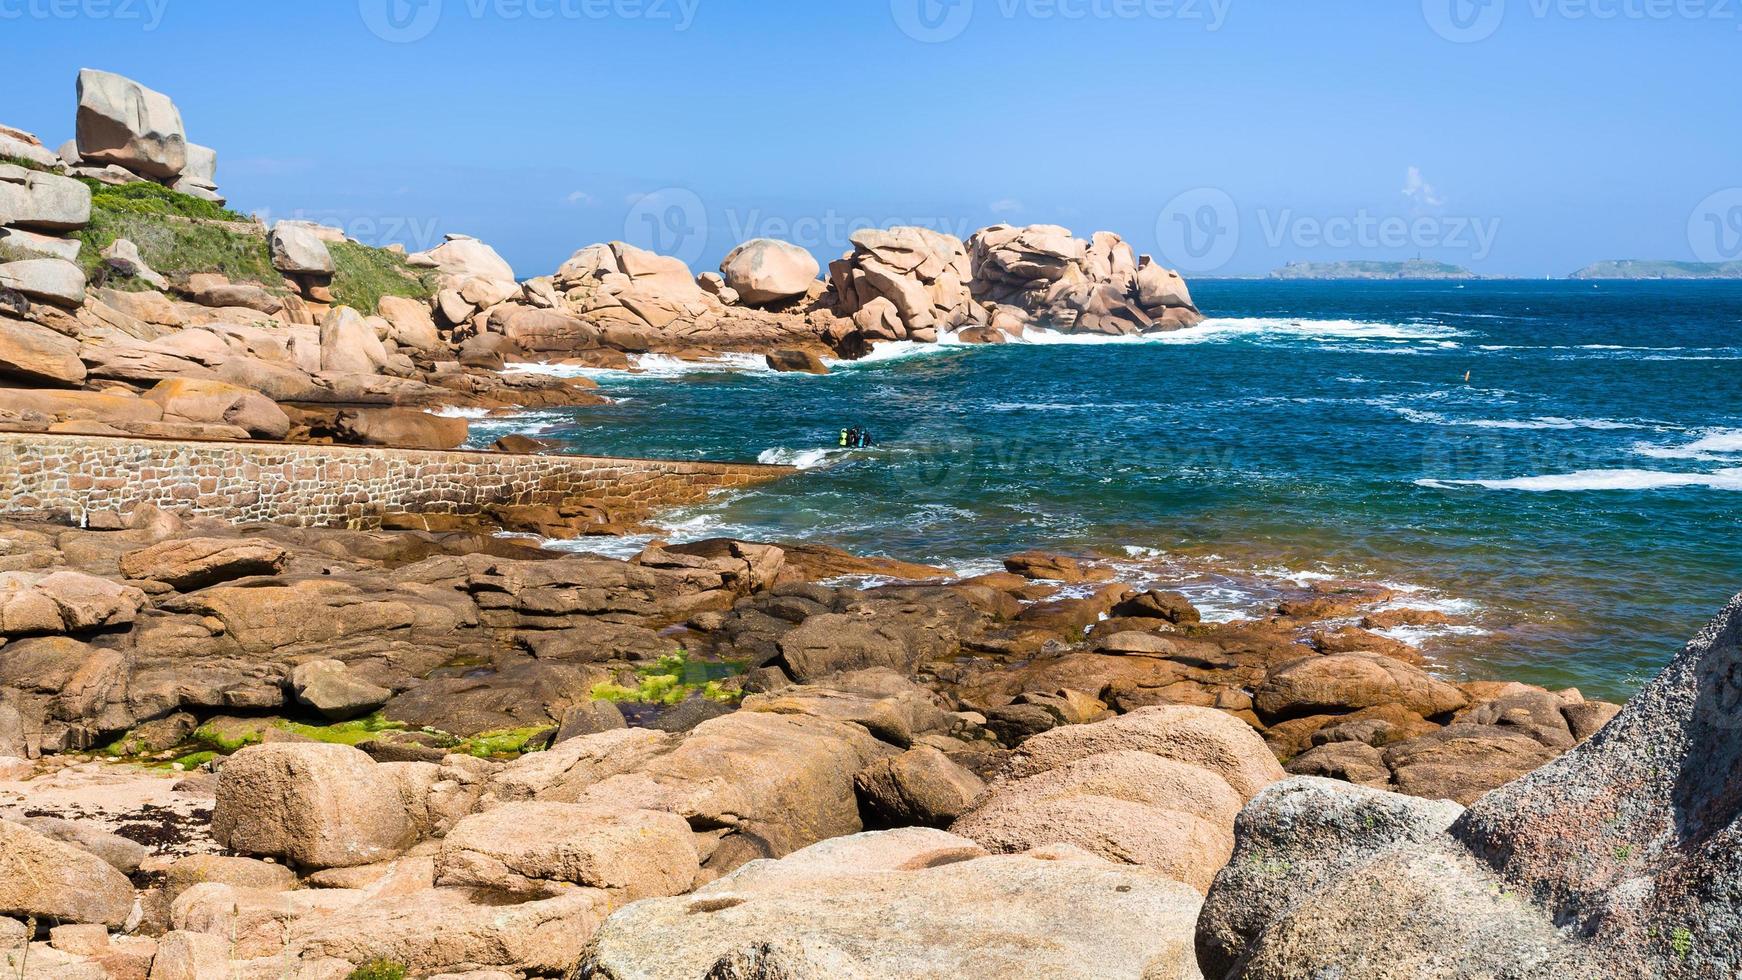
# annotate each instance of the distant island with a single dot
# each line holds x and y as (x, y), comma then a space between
(1659, 269)
(1412, 269)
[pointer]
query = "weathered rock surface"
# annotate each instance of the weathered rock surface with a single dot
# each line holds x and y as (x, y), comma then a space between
(220, 403)
(543, 849)
(42, 202)
(122, 122)
(922, 787)
(190, 564)
(1615, 860)
(1041, 276)
(37, 355)
(319, 806)
(298, 250)
(1159, 787)
(48, 880)
(766, 270)
(909, 904)
(55, 281)
(904, 283)
(329, 687)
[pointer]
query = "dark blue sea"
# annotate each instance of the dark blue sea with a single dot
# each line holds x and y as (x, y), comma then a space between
(1576, 503)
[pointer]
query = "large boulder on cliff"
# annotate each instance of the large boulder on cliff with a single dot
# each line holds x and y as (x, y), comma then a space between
(1618, 859)
(406, 428)
(297, 249)
(1349, 682)
(122, 122)
(462, 257)
(908, 904)
(767, 270)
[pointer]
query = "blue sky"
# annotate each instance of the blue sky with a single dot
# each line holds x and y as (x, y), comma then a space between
(1517, 137)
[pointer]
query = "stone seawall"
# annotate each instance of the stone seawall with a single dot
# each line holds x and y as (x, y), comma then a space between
(341, 486)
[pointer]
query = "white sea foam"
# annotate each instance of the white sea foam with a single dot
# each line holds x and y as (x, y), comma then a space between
(804, 459)
(456, 412)
(1729, 479)
(1541, 422)
(1715, 445)
(1418, 636)
(650, 366)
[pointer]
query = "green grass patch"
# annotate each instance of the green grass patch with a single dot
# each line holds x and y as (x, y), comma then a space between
(378, 970)
(364, 275)
(502, 744)
(344, 732)
(26, 164)
(148, 198)
(146, 214)
(192, 760)
(177, 249)
(236, 734)
(673, 680)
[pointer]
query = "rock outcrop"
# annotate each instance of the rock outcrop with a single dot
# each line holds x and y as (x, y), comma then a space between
(904, 283)
(1615, 860)
(1041, 276)
(124, 123)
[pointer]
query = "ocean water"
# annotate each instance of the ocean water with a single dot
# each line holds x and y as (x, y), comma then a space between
(1577, 502)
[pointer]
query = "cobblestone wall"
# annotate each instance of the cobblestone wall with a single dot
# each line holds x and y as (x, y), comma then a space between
(334, 485)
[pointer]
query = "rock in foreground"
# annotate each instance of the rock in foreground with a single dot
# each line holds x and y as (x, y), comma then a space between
(1618, 860)
(909, 903)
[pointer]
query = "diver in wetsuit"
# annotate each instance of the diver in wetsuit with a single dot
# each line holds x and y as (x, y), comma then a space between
(856, 438)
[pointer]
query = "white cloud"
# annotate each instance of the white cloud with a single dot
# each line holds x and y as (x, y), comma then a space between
(580, 199)
(1005, 205)
(1417, 189)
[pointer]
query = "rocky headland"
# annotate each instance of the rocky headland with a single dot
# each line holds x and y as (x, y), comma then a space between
(418, 747)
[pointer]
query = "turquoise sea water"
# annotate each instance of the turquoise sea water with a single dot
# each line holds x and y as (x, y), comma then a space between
(1578, 502)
